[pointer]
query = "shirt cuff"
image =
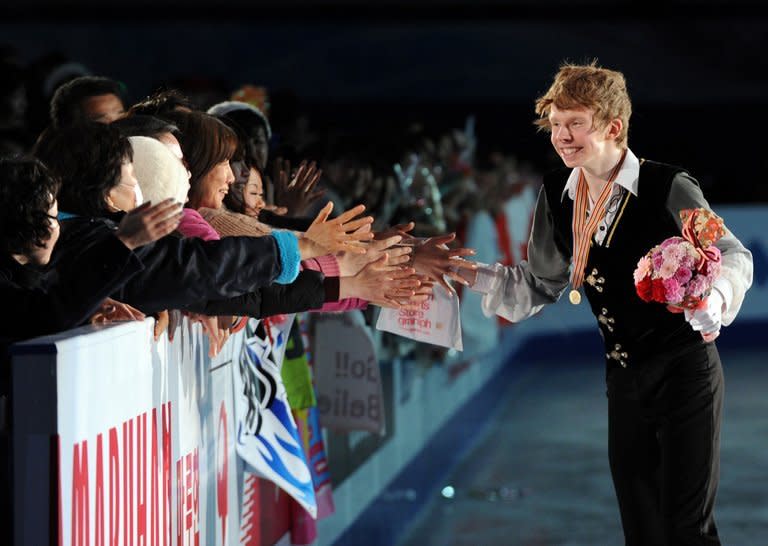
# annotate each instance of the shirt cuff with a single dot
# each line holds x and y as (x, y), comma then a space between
(329, 265)
(486, 274)
(290, 256)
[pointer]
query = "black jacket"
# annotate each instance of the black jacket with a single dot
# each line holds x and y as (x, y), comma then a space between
(295, 223)
(177, 272)
(310, 290)
(40, 302)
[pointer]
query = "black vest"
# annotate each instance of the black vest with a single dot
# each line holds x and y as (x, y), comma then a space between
(633, 330)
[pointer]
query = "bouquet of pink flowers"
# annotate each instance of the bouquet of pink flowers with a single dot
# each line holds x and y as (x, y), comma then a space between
(680, 271)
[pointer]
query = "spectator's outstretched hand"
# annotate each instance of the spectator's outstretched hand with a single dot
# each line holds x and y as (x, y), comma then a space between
(115, 311)
(148, 223)
(420, 295)
(400, 229)
(381, 284)
(217, 331)
(298, 193)
(341, 234)
(432, 258)
(351, 263)
(161, 324)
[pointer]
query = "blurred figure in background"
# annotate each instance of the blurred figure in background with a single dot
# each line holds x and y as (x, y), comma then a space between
(87, 98)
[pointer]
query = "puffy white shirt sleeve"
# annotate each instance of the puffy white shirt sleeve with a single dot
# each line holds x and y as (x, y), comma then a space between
(736, 273)
(519, 292)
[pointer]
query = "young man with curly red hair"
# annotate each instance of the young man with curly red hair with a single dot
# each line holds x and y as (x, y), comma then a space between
(593, 221)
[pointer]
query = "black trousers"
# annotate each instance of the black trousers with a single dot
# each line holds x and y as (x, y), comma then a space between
(664, 446)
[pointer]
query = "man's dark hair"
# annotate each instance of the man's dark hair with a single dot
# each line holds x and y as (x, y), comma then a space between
(161, 103)
(27, 192)
(146, 126)
(66, 104)
(87, 159)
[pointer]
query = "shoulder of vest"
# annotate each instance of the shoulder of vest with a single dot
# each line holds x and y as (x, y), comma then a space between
(657, 168)
(656, 179)
(554, 182)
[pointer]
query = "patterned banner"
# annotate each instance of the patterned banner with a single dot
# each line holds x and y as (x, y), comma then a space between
(267, 437)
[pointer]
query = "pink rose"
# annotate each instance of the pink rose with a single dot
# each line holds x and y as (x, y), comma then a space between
(674, 292)
(670, 241)
(697, 286)
(657, 259)
(689, 260)
(683, 275)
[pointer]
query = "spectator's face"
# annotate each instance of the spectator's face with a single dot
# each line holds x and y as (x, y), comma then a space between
(214, 186)
(124, 195)
(42, 255)
(253, 194)
(103, 108)
(258, 147)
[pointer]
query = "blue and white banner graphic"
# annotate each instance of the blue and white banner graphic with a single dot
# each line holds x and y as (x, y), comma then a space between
(266, 435)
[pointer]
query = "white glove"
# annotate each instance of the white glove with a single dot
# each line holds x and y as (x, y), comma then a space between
(707, 320)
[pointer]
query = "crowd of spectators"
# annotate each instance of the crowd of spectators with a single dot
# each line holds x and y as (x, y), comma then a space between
(166, 207)
(235, 176)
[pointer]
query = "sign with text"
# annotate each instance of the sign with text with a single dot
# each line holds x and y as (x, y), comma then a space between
(437, 321)
(347, 371)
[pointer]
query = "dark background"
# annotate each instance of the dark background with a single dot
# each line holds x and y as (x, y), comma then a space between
(697, 72)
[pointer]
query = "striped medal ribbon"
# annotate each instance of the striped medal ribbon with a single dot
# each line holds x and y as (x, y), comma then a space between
(584, 228)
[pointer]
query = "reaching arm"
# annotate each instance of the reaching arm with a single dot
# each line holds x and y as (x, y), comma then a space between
(519, 292)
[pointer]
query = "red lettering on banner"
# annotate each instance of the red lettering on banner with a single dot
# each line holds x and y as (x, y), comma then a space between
(80, 504)
(154, 526)
(188, 500)
(99, 539)
(143, 496)
(196, 495)
(166, 417)
(222, 470)
(128, 483)
(179, 502)
(141, 483)
(114, 488)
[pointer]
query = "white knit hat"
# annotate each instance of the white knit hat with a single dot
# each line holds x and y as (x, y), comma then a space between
(160, 173)
(223, 108)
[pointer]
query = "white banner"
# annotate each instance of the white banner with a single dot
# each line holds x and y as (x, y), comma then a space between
(145, 438)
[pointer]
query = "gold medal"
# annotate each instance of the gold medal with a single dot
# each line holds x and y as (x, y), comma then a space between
(574, 297)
